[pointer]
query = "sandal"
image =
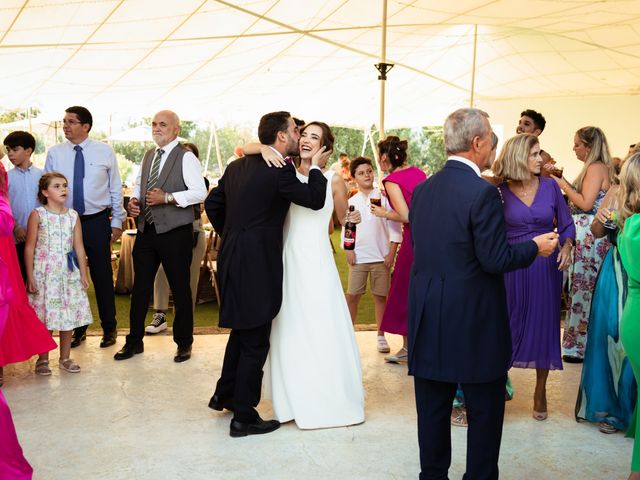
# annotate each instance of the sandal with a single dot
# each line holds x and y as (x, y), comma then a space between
(607, 428)
(383, 346)
(459, 417)
(42, 368)
(540, 416)
(68, 365)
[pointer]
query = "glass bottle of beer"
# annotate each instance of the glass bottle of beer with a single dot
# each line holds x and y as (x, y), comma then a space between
(349, 233)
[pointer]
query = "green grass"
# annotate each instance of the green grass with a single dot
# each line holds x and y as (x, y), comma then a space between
(206, 314)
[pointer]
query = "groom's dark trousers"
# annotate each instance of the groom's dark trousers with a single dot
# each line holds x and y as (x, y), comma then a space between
(244, 358)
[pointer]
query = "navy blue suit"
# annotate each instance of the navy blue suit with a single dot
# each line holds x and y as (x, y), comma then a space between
(458, 326)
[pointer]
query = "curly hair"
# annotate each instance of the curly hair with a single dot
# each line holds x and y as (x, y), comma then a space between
(395, 150)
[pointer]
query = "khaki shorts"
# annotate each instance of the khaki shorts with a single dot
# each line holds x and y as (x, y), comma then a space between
(380, 279)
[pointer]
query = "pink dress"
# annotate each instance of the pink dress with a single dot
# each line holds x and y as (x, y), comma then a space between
(394, 319)
(24, 334)
(13, 465)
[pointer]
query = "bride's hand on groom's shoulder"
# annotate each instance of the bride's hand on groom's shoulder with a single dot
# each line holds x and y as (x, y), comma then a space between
(271, 158)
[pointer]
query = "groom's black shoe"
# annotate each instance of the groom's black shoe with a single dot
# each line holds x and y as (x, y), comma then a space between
(128, 351)
(257, 427)
(216, 403)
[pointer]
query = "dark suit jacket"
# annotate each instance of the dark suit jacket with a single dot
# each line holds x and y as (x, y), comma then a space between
(458, 325)
(248, 209)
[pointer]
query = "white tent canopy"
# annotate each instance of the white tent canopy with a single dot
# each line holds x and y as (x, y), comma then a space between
(233, 60)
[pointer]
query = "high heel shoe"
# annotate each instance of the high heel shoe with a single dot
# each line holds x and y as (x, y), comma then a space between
(540, 416)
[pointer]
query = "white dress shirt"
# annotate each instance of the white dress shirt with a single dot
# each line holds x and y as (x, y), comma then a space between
(102, 184)
(373, 233)
(196, 190)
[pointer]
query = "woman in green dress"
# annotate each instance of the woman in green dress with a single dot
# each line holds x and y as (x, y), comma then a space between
(629, 247)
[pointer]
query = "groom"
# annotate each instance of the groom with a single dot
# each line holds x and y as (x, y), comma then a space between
(248, 209)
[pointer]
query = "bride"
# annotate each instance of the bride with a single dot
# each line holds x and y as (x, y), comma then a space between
(313, 373)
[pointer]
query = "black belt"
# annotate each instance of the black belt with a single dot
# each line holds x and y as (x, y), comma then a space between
(106, 211)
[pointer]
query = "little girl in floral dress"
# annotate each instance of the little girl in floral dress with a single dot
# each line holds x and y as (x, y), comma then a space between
(56, 265)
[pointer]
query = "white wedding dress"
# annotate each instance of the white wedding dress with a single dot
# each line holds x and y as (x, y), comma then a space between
(313, 373)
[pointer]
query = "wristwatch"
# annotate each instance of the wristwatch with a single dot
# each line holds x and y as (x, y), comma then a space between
(169, 198)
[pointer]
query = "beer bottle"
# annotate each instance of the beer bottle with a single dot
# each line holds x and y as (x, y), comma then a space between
(349, 233)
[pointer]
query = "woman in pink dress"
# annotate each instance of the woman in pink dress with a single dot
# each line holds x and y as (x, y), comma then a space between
(399, 185)
(13, 465)
(24, 334)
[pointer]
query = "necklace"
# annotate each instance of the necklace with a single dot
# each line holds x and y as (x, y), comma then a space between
(526, 193)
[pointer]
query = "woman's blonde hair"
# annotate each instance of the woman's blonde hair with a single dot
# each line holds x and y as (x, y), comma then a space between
(629, 192)
(595, 140)
(513, 161)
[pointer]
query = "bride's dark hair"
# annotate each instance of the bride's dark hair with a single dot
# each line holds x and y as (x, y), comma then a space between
(327, 136)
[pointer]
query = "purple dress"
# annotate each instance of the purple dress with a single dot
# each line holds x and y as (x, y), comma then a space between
(534, 293)
(394, 319)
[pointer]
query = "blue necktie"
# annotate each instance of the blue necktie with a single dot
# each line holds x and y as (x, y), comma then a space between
(78, 181)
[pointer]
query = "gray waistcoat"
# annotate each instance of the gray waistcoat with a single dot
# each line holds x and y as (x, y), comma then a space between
(165, 217)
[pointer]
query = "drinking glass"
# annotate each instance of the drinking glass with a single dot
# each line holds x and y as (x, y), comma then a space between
(612, 214)
(375, 199)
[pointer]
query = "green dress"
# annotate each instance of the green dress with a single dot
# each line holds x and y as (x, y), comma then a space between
(629, 247)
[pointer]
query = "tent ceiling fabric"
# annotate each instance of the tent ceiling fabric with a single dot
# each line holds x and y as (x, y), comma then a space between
(232, 60)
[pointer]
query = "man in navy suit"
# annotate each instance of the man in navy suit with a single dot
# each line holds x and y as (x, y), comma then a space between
(458, 324)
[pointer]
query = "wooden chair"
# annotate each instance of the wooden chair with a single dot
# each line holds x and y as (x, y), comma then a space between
(212, 258)
(210, 265)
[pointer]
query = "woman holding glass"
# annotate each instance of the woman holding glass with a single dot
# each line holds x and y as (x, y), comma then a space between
(607, 392)
(534, 205)
(585, 196)
(399, 186)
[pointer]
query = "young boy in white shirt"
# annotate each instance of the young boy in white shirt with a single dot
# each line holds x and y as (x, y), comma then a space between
(377, 240)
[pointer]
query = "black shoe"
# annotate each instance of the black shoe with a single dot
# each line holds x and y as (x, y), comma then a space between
(182, 355)
(78, 339)
(129, 351)
(108, 339)
(257, 427)
(216, 403)
(569, 359)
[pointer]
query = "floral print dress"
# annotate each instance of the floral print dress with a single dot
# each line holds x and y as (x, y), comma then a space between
(588, 255)
(60, 302)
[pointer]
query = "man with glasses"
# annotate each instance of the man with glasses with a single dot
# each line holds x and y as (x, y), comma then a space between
(96, 194)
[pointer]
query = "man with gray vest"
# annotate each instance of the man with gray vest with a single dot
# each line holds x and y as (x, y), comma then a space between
(169, 183)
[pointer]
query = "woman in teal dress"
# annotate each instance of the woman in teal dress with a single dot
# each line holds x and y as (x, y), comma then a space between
(629, 246)
(607, 393)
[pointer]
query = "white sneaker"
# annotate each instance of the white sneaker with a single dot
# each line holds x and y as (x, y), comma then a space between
(383, 346)
(158, 324)
(399, 357)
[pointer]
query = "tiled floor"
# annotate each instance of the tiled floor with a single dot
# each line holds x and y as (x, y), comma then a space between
(147, 418)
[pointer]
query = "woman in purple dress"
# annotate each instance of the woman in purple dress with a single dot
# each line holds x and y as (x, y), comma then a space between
(534, 205)
(399, 185)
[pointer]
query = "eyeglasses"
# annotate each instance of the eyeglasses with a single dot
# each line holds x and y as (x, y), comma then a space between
(70, 122)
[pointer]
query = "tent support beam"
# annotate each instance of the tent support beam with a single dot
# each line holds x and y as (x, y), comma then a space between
(473, 68)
